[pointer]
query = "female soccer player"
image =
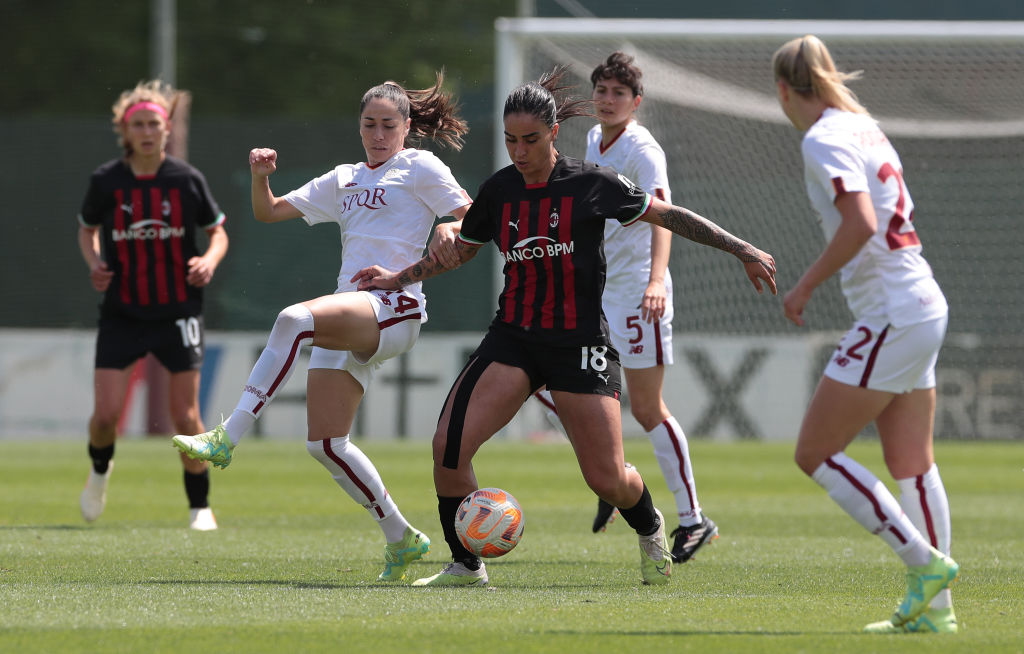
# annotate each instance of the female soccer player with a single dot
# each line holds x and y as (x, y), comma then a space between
(637, 297)
(546, 213)
(884, 367)
(137, 234)
(385, 208)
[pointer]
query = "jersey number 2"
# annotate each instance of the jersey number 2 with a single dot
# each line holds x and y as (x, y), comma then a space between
(893, 234)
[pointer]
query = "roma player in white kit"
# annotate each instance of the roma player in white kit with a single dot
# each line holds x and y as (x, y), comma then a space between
(637, 298)
(384, 207)
(884, 368)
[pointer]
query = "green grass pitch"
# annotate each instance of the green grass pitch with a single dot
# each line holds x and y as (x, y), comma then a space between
(293, 566)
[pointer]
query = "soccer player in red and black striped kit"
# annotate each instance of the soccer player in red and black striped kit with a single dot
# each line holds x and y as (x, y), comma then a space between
(138, 234)
(547, 214)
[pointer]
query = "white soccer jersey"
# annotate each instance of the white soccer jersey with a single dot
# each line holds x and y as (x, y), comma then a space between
(385, 212)
(635, 154)
(888, 278)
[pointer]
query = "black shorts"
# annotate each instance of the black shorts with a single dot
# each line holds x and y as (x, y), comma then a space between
(177, 343)
(591, 369)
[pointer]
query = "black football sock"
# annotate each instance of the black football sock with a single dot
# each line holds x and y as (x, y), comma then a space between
(642, 517)
(197, 488)
(447, 507)
(101, 457)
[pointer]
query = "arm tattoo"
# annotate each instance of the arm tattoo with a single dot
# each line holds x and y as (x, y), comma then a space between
(701, 230)
(418, 271)
(426, 267)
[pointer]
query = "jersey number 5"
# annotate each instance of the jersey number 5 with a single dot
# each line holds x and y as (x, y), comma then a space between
(894, 235)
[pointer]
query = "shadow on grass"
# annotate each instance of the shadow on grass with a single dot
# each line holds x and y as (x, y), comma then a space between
(299, 585)
(695, 632)
(45, 527)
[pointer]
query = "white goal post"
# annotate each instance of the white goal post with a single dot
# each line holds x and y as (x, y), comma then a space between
(949, 94)
(516, 36)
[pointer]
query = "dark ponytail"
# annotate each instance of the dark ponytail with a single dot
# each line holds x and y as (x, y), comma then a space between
(433, 113)
(538, 99)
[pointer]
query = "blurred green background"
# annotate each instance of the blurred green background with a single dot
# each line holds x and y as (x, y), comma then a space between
(282, 74)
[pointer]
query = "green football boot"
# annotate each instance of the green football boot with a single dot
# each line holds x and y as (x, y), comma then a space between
(213, 446)
(455, 574)
(923, 583)
(397, 556)
(655, 557)
(938, 621)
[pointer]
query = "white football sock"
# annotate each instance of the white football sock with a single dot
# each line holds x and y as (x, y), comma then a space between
(673, 454)
(544, 397)
(292, 329)
(924, 500)
(869, 502)
(354, 472)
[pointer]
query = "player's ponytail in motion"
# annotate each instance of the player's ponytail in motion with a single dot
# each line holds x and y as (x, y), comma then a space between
(155, 91)
(433, 113)
(538, 99)
(807, 67)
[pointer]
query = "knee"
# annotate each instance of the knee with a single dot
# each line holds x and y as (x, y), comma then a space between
(318, 449)
(291, 315)
(105, 421)
(808, 459)
(904, 465)
(438, 443)
(648, 419)
(649, 412)
(185, 417)
(605, 484)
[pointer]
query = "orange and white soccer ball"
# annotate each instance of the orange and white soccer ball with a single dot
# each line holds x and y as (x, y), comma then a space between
(489, 522)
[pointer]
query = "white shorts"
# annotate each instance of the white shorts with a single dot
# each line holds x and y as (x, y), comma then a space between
(641, 344)
(399, 316)
(876, 355)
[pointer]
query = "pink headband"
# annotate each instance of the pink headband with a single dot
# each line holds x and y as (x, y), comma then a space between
(147, 105)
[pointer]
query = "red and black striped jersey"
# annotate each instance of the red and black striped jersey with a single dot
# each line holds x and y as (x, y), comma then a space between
(551, 237)
(148, 226)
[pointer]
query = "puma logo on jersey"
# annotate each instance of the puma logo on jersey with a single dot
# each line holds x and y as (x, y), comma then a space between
(603, 378)
(127, 208)
(631, 188)
(514, 224)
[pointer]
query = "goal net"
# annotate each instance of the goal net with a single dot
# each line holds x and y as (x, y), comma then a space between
(949, 95)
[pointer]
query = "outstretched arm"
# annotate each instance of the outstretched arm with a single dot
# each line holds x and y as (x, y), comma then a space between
(382, 278)
(759, 265)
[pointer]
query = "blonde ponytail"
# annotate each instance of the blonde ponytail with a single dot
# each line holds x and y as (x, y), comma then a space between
(807, 67)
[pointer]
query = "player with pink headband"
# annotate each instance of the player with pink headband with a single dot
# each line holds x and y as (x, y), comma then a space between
(138, 235)
(147, 106)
